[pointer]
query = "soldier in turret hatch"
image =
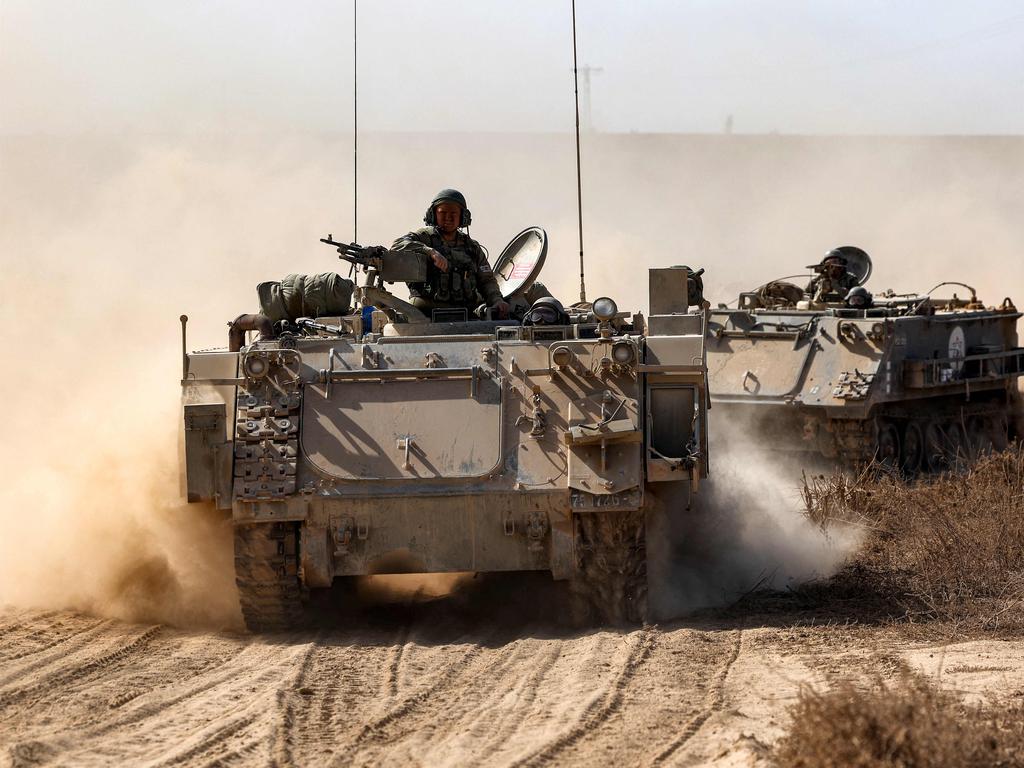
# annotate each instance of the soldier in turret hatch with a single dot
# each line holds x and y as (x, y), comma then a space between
(458, 274)
(833, 280)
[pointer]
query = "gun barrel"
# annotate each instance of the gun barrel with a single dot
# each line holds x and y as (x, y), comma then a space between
(349, 251)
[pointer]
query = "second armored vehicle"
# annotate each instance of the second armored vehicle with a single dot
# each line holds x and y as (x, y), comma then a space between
(913, 381)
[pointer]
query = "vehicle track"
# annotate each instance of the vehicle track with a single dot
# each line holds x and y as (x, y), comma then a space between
(441, 688)
(286, 704)
(602, 707)
(56, 652)
(376, 732)
(65, 640)
(712, 703)
(395, 660)
(71, 672)
(194, 713)
(210, 740)
(241, 709)
(149, 704)
(19, 620)
(460, 713)
(510, 721)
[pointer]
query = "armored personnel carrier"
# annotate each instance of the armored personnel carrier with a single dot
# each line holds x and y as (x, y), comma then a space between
(917, 382)
(568, 442)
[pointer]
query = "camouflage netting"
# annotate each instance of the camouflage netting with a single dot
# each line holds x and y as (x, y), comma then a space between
(320, 295)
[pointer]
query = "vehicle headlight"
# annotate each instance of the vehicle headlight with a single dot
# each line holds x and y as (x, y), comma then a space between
(561, 356)
(623, 352)
(604, 309)
(255, 366)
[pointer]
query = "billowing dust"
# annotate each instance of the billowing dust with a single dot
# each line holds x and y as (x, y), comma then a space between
(105, 241)
(747, 529)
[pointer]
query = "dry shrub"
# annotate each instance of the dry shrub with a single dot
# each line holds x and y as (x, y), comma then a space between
(949, 547)
(909, 723)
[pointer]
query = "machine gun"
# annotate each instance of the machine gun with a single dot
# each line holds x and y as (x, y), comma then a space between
(389, 266)
(384, 266)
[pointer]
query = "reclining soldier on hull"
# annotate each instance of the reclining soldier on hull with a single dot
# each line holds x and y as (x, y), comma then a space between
(458, 273)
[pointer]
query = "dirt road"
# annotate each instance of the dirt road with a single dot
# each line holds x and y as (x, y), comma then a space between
(418, 685)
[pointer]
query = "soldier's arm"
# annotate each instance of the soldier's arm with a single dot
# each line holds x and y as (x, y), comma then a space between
(412, 242)
(417, 243)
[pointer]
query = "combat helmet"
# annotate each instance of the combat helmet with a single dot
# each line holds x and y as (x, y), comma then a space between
(858, 297)
(855, 260)
(547, 310)
(448, 196)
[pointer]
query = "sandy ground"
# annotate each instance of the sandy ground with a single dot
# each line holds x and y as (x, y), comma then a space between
(429, 685)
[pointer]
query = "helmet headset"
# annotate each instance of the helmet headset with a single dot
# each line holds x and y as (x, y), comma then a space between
(448, 196)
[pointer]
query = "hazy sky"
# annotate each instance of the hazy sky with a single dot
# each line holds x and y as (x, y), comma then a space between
(796, 66)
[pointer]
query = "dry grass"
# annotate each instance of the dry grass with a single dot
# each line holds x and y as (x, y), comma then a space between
(908, 724)
(949, 548)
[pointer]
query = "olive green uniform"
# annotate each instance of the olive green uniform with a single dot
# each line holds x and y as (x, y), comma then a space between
(826, 289)
(468, 277)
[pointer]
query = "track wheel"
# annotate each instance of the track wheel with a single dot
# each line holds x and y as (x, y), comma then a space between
(266, 572)
(935, 456)
(887, 445)
(957, 446)
(979, 437)
(997, 428)
(912, 449)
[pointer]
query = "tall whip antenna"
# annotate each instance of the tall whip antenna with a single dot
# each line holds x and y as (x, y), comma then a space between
(579, 176)
(355, 122)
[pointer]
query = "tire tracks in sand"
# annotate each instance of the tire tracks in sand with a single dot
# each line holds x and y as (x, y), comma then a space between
(263, 720)
(378, 731)
(336, 690)
(75, 671)
(712, 703)
(459, 715)
(510, 721)
(601, 708)
(437, 708)
(56, 652)
(51, 648)
(16, 621)
(281, 752)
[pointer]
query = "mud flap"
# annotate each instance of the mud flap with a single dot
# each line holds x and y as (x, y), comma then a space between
(666, 520)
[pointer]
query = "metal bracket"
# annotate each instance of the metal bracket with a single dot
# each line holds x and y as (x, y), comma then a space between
(405, 443)
(393, 374)
(371, 357)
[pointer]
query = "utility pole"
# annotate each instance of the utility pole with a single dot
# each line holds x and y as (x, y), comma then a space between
(585, 70)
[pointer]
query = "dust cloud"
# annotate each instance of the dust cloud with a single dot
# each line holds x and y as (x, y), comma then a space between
(106, 240)
(746, 529)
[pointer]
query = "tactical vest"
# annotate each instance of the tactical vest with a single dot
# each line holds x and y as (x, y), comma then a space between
(459, 284)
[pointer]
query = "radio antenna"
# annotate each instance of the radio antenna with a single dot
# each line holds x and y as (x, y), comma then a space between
(355, 122)
(579, 176)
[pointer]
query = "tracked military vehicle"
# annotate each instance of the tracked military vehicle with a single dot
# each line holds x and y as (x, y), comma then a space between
(917, 382)
(344, 445)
